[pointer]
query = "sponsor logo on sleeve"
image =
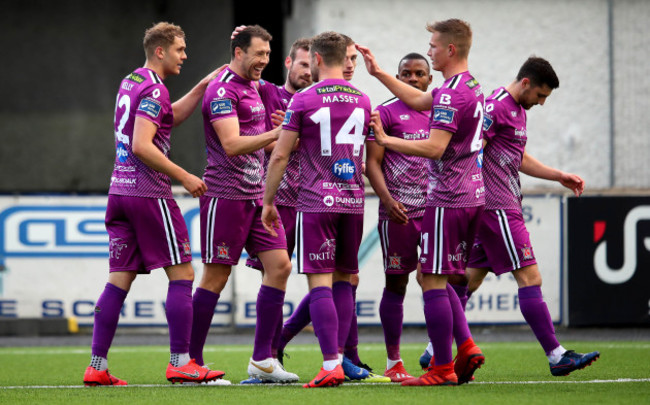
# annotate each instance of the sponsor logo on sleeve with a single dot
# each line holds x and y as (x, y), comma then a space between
(134, 77)
(150, 107)
(328, 200)
(220, 107)
(471, 83)
(443, 115)
(487, 123)
(287, 117)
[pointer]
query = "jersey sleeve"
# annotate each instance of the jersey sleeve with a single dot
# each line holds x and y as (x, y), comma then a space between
(223, 102)
(153, 103)
(446, 107)
(293, 115)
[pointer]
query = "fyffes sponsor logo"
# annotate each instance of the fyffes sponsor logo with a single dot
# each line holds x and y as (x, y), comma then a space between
(344, 169)
(121, 152)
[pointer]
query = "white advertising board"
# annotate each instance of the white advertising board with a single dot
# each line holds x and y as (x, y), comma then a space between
(54, 251)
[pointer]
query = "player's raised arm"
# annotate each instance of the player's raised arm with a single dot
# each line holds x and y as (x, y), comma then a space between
(414, 98)
(184, 106)
(535, 168)
(432, 148)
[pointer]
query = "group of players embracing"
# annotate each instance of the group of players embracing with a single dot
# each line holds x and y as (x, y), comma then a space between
(284, 174)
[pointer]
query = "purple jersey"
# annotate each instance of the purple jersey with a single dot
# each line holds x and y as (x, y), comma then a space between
(505, 130)
(331, 118)
(455, 180)
(238, 177)
(277, 98)
(405, 175)
(142, 94)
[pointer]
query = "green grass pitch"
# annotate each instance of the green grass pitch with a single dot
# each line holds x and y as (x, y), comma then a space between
(514, 373)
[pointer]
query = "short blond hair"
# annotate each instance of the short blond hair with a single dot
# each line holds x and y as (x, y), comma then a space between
(456, 32)
(160, 34)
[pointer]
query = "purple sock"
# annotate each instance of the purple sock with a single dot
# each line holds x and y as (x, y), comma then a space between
(463, 294)
(439, 318)
(276, 338)
(178, 309)
(296, 322)
(203, 304)
(342, 294)
(391, 313)
(352, 341)
(107, 315)
(269, 313)
(325, 321)
(536, 313)
(460, 328)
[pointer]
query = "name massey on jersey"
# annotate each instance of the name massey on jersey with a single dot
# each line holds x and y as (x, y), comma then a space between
(332, 94)
(340, 98)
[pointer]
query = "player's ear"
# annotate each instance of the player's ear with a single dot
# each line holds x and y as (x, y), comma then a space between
(287, 62)
(238, 52)
(159, 52)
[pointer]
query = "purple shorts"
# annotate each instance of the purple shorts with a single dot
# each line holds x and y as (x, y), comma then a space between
(145, 234)
(399, 245)
(288, 219)
(502, 242)
(447, 237)
(227, 226)
(328, 241)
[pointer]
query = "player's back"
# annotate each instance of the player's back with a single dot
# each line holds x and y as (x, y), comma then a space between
(505, 130)
(141, 94)
(332, 119)
(455, 179)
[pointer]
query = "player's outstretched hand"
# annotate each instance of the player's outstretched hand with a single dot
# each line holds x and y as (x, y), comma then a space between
(195, 186)
(369, 59)
(396, 211)
(236, 31)
(573, 182)
(277, 118)
(375, 124)
(270, 219)
(213, 74)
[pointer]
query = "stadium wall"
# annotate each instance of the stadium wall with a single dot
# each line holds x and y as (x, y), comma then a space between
(595, 124)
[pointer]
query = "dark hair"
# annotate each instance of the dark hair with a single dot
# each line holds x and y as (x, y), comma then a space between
(302, 43)
(539, 72)
(330, 46)
(456, 32)
(412, 56)
(243, 39)
(160, 34)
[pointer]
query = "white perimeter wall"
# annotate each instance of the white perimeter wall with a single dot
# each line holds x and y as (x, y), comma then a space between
(572, 131)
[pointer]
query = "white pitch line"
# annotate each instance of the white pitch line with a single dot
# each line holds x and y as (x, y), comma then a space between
(25, 387)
